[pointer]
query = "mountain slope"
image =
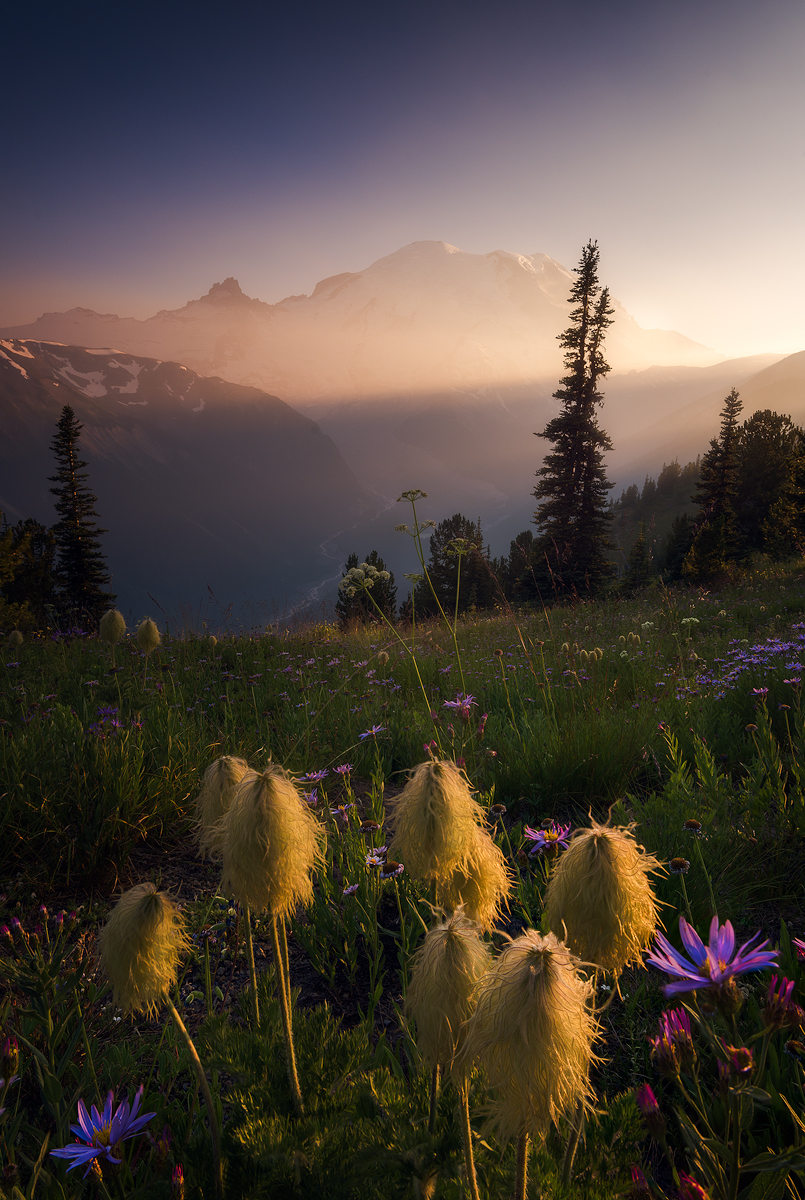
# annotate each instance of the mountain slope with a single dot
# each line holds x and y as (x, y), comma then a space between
(426, 319)
(201, 483)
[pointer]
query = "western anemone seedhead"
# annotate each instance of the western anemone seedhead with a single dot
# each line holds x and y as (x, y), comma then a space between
(139, 947)
(148, 636)
(218, 789)
(480, 883)
(532, 1031)
(15, 638)
(112, 627)
(271, 844)
(444, 973)
(599, 897)
(436, 821)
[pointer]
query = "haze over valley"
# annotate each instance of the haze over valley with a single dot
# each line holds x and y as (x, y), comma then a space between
(325, 255)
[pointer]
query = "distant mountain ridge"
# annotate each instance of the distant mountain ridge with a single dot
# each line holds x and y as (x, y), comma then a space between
(203, 484)
(427, 318)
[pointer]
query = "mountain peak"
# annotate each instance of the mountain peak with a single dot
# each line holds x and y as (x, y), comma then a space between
(228, 292)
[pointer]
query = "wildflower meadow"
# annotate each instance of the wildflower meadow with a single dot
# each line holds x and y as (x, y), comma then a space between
(502, 905)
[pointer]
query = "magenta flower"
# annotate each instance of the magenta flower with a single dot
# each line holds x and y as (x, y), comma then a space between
(650, 1111)
(555, 837)
(712, 966)
(689, 1189)
(779, 1005)
(798, 942)
(672, 1049)
(103, 1132)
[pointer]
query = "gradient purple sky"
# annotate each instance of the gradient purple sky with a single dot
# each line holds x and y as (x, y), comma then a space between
(152, 150)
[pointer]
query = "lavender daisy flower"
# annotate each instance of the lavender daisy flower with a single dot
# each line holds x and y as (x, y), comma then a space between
(103, 1132)
(314, 776)
(555, 837)
(712, 966)
(373, 732)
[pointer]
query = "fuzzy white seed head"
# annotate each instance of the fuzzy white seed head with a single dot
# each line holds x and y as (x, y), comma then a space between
(221, 780)
(444, 973)
(139, 947)
(271, 844)
(480, 884)
(15, 638)
(148, 636)
(600, 899)
(112, 627)
(532, 1032)
(436, 822)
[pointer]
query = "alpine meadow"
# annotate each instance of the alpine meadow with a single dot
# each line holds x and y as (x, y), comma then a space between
(402, 736)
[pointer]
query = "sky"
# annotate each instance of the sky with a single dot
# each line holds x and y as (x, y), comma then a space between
(152, 150)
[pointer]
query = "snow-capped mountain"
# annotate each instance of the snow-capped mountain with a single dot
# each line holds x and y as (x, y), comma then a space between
(427, 318)
(202, 484)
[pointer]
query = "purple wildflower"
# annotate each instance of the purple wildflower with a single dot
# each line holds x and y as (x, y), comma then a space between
(341, 811)
(779, 1005)
(672, 1048)
(373, 732)
(461, 705)
(650, 1111)
(344, 769)
(314, 776)
(349, 891)
(103, 1132)
(391, 869)
(800, 945)
(554, 837)
(712, 966)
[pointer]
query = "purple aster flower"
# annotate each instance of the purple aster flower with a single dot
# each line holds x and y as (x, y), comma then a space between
(689, 1189)
(712, 966)
(373, 732)
(314, 776)
(103, 1132)
(391, 869)
(554, 837)
(798, 942)
(461, 705)
(344, 769)
(349, 891)
(341, 811)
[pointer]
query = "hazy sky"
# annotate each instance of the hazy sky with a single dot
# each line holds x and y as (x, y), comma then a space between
(153, 149)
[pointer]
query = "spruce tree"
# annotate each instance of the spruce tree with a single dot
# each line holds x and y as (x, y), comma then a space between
(717, 543)
(81, 570)
(639, 567)
(572, 516)
(456, 539)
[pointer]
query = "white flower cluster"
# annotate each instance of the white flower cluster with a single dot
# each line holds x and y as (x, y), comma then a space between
(361, 579)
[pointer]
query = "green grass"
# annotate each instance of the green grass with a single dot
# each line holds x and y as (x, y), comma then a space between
(669, 722)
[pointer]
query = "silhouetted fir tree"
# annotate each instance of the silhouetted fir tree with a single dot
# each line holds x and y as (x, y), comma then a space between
(81, 571)
(477, 586)
(516, 575)
(717, 543)
(768, 441)
(32, 547)
(359, 608)
(675, 547)
(639, 568)
(784, 527)
(572, 517)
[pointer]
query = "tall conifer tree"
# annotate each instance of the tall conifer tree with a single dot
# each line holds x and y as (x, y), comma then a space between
(718, 542)
(83, 577)
(572, 516)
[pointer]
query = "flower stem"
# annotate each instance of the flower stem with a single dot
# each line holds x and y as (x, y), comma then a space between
(207, 1094)
(285, 1010)
(252, 969)
(521, 1174)
(434, 1099)
(466, 1133)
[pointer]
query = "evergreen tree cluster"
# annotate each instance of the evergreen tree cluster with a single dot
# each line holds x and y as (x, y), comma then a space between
(58, 573)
